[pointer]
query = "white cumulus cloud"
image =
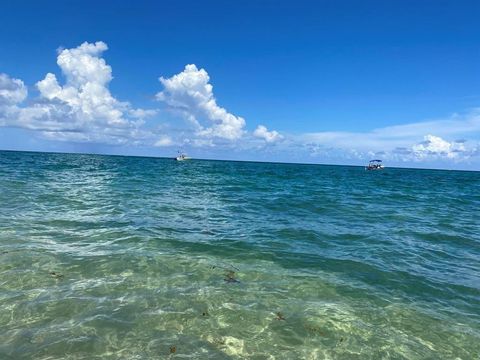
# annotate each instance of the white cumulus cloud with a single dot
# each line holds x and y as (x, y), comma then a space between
(82, 109)
(436, 146)
(191, 93)
(269, 136)
(12, 91)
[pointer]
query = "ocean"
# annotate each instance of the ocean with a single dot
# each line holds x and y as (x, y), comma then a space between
(117, 257)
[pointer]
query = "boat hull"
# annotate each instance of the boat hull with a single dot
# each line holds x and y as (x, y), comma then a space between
(381, 167)
(182, 158)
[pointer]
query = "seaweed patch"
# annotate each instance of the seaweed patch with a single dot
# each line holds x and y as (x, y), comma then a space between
(56, 275)
(316, 330)
(224, 266)
(230, 277)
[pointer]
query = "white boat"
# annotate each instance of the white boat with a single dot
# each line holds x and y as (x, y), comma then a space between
(182, 157)
(375, 165)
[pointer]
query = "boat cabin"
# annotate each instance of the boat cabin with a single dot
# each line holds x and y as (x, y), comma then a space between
(375, 164)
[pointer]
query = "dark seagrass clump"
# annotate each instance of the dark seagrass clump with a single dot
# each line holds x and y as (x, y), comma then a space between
(230, 277)
(56, 275)
(316, 330)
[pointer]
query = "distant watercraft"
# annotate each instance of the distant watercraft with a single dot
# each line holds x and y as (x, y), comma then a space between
(374, 165)
(182, 157)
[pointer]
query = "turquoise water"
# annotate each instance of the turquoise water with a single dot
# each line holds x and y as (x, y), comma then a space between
(143, 258)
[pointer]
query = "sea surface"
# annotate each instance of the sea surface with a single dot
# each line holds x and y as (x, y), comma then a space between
(109, 257)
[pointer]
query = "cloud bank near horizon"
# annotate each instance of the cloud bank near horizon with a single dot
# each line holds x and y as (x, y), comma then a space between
(83, 110)
(452, 139)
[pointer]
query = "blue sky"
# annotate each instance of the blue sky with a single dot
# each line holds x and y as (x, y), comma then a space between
(309, 81)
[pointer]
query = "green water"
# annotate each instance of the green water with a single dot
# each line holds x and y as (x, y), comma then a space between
(143, 258)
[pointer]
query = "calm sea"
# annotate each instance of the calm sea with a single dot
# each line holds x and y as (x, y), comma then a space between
(146, 258)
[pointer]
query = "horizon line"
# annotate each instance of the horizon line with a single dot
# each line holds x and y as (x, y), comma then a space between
(229, 160)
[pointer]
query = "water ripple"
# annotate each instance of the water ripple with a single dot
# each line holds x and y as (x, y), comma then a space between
(126, 257)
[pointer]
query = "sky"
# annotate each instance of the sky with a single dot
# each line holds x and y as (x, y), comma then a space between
(332, 82)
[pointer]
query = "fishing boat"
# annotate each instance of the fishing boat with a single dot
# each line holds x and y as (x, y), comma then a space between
(374, 165)
(182, 157)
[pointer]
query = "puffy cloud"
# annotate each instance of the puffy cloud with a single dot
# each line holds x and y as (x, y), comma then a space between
(436, 146)
(85, 91)
(191, 93)
(269, 136)
(12, 91)
(82, 109)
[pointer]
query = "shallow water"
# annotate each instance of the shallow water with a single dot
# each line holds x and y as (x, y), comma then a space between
(144, 258)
